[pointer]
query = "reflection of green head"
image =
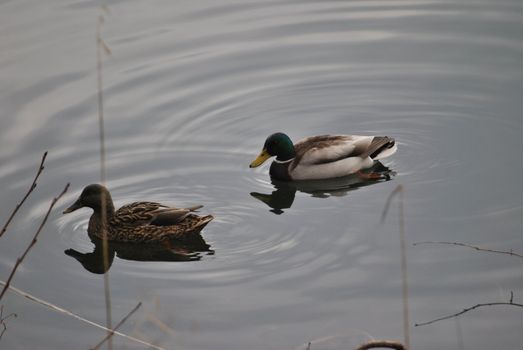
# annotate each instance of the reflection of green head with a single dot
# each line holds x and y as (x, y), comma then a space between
(279, 145)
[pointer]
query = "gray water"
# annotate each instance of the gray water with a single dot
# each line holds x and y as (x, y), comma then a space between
(192, 89)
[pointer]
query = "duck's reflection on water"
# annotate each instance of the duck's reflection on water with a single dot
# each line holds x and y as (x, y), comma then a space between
(191, 249)
(285, 192)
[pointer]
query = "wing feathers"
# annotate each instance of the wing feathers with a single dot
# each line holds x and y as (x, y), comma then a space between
(151, 213)
(329, 148)
(380, 147)
(169, 216)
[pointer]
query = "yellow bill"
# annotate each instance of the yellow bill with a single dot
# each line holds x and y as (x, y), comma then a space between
(264, 155)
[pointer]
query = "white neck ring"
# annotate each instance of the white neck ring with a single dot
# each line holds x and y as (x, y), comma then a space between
(283, 161)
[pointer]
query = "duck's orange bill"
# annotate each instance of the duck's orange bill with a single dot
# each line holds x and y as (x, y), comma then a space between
(262, 157)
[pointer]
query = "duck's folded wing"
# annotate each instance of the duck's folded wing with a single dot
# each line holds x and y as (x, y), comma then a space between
(137, 213)
(172, 216)
(330, 148)
(169, 216)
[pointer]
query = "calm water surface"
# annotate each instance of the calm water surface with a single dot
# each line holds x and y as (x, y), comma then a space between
(191, 91)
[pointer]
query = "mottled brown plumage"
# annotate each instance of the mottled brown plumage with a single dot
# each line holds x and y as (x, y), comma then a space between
(138, 222)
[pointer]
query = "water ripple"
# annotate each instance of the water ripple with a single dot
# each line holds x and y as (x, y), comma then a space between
(192, 90)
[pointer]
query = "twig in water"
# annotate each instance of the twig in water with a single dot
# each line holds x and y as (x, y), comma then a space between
(382, 344)
(404, 277)
(80, 318)
(33, 242)
(510, 252)
(33, 185)
(3, 319)
(111, 333)
(510, 302)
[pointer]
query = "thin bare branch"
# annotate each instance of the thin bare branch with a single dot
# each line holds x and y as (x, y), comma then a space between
(31, 188)
(111, 333)
(511, 303)
(33, 242)
(382, 344)
(3, 319)
(510, 252)
(80, 318)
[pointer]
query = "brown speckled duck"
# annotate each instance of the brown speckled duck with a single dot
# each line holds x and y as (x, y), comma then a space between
(138, 222)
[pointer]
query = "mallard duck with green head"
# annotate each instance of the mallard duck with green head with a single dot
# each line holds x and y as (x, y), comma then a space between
(324, 156)
(138, 222)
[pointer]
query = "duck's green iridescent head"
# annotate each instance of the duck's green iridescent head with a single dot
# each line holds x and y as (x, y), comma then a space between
(279, 145)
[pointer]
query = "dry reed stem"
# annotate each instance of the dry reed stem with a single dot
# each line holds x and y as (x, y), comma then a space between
(100, 45)
(510, 252)
(33, 242)
(459, 335)
(404, 277)
(382, 344)
(405, 285)
(510, 302)
(389, 201)
(80, 318)
(160, 324)
(111, 333)
(33, 186)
